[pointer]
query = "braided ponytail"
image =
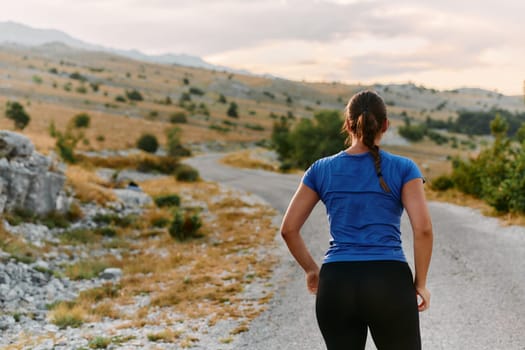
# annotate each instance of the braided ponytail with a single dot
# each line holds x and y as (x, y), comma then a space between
(364, 118)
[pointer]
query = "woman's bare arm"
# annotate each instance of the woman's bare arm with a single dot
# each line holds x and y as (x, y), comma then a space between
(413, 197)
(300, 207)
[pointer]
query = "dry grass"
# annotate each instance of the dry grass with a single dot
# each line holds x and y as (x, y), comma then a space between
(250, 159)
(456, 197)
(17, 247)
(197, 279)
(66, 315)
(88, 186)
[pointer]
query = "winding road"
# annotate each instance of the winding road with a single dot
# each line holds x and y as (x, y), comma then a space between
(477, 276)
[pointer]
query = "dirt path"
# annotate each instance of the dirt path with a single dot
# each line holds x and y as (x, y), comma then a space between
(477, 276)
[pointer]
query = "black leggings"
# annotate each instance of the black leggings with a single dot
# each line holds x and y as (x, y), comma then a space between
(376, 294)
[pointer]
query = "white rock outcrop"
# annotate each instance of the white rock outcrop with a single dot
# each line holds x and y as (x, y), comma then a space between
(27, 179)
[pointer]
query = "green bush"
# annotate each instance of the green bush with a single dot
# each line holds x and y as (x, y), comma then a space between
(148, 143)
(168, 200)
(185, 225)
(120, 98)
(196, 91)
(164, 165)
(178, 118)
(496, 174)
(232, 110)
(77, 76)
(99, 343)
(412, 133)
(310, 140)
(186, 173)
(442, 183)
(107, 231)
(82, 120)
(160, 222)
(134, 95)
(16, 112)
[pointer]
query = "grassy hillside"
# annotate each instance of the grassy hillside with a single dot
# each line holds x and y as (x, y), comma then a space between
(55, 82)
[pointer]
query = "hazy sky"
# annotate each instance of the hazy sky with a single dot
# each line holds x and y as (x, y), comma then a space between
(440, 43)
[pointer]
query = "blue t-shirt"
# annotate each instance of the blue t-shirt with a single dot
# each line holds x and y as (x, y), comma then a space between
(364, 220)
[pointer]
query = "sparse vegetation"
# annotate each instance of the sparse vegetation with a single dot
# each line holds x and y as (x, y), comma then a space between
(82, 120)
(185, 225)
(309, 140)
(178, 118)
(232, 110)
(134, 95)
(148, 143)
(16, 112)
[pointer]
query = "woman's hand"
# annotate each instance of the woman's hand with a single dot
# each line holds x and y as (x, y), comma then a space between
(312, 281)
(423, 298)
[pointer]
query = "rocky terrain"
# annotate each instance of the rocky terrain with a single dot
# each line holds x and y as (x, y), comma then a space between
(31, 286)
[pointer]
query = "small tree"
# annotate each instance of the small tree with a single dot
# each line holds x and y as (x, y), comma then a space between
(178, 118)
(174, 146)
(134, 95)
(232, 110)
(66, 142)
(222, 99)
(15, 111)
(81, 120)
(148, 143)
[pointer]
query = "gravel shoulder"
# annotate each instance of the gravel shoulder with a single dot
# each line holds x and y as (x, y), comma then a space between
(476, 277)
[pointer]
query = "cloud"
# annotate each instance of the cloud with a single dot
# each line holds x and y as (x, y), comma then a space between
(358, 39)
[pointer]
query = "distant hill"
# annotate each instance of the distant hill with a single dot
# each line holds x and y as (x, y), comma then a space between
(20, 34)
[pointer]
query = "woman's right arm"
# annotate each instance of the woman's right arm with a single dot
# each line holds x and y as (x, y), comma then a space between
(413, 197)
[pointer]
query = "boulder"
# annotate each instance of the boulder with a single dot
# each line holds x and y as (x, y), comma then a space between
(27, 180)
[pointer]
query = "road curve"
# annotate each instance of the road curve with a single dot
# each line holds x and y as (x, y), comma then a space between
(477, 276)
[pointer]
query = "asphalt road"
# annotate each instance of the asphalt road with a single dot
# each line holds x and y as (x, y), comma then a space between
(477, 276)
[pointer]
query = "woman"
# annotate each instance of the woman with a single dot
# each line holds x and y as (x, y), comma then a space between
(365, 281)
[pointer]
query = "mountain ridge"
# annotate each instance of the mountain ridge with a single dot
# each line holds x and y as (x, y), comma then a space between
(21, 34)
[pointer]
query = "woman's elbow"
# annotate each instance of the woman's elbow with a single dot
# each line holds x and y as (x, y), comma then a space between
(288, 232)
(424, 231)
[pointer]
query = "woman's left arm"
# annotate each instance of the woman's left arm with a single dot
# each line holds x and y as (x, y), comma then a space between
(301, 205)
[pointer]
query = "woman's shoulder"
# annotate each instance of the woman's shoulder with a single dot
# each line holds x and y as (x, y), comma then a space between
(328, 159)
(393, 156)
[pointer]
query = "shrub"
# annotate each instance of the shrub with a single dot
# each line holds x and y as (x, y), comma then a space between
(99, 343)
(256, 127)
(185, 225)
(107, 231)
(232, 110)
(178, 118)
(174, 146)
(134, 95)
(67, 314)
(167, 200)
(15, 111)
(81, 89)
(196, 91)
(81, 120)
(66, 143)
(160, 222)
(120, 98)
(442, 183)
(186, 173)
(412, 133)
(222, 99)
(148, 143)
(77, 76)
(310, 139)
